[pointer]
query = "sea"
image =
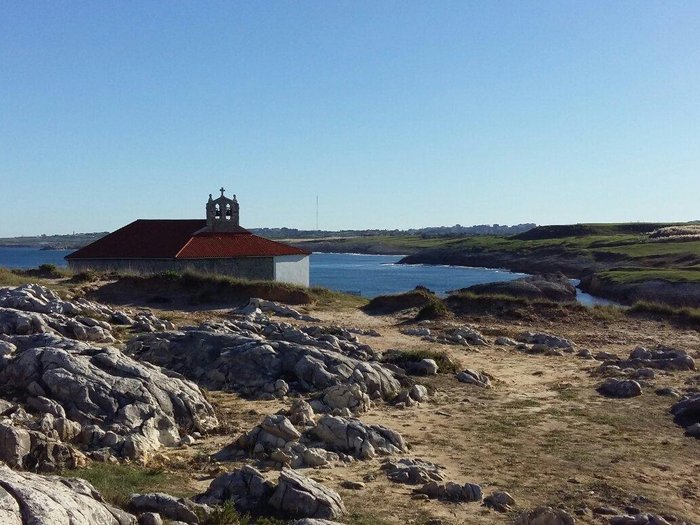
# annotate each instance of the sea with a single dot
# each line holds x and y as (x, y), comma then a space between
(365, 275)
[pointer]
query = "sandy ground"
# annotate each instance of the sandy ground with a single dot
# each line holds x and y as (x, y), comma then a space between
(541, 432)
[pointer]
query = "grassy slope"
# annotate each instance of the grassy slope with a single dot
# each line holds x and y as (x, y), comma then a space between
(604, 245)
(171, 289)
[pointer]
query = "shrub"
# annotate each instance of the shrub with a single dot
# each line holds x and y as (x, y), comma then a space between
(433, 310)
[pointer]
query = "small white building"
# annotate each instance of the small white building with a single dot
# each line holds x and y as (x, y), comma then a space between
(217, 244)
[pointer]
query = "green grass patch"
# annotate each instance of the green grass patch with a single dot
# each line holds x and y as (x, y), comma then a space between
(116, 482)
(686, 314)
(607, 312)
(637, 275)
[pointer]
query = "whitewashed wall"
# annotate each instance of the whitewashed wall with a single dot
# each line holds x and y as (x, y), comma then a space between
(292, 269)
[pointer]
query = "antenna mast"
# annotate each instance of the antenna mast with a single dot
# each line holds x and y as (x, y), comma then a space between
(317, 213)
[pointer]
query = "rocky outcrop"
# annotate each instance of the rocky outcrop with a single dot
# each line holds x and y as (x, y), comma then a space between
(332, 439)
(661, 358)
(545, 516)
(131, 407)
(554, 287)
(294, 496)
(451, 491)
(500, 501)
(413, 471)
(247, 488)
(35, 309)
(51, 500)
(299, 497)
(167, 506)
(17, 322)
(544, 339)
(346, 397)
(351, 436)
(282, 310)
(250, 357)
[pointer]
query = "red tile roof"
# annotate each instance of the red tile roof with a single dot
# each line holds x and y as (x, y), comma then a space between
(180, 239)
(239, 244)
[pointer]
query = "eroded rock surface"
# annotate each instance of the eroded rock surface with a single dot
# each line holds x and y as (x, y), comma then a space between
(294, 496)
(297, 496)
(51, 500)
(35, 309)
(251, 356)
(131, 407)
(330, 440)
(413, 471)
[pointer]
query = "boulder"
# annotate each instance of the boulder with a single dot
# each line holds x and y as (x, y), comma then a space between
(246, 488)
(32, 498)
(15, 445)
(418, 393)
(473, 377)
(353, 437)
(686, 413)
(301, 414)
(499, 501)
(299, 497)
(346, 396)
(164, 504)
(623, 388)
(412, 471)
(451, 491)
(424, 367)
(464, 335)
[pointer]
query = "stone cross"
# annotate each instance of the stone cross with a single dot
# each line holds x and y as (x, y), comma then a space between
(222, 190)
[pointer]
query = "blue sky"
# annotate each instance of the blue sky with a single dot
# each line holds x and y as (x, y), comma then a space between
(396, 114)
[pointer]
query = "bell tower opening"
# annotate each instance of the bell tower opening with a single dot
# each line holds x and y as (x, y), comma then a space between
(222, 213)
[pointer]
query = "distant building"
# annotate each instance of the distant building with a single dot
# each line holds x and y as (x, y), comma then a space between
(216, 244)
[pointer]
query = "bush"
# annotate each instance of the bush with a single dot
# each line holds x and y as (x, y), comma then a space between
(86, 276)
(433, 310)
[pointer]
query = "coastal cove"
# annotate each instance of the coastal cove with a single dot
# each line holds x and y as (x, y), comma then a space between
(365, 275)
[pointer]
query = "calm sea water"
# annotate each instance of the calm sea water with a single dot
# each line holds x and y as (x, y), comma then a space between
(368, 275)
(31, 257)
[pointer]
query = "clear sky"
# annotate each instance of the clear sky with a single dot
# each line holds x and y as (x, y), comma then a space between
(396, 114)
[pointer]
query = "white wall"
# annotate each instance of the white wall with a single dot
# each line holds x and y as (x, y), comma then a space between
(292, 269)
